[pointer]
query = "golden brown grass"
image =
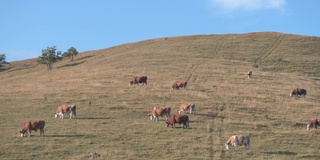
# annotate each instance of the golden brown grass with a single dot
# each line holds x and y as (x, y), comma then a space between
(116, 124)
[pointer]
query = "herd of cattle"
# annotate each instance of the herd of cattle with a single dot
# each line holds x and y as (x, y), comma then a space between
(171, 119)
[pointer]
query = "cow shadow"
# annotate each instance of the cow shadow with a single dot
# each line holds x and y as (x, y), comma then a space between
(69, 136)
(281, 153)
(213, 115)
(92, 118)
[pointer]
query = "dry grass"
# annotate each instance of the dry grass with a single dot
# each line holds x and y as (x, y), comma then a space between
(116, 124)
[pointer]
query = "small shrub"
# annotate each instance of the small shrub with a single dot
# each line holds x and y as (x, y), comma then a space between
(279, 59)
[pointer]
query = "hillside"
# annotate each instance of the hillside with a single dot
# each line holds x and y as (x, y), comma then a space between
(112, 116)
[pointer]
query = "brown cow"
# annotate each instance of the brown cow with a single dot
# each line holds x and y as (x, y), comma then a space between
(32, 125)
(184, 119)
(138, 79)
(179, 84)
(314, 123)
(159, 111)
(240, 140)
(187, 106)
(298, 92)
(71, 109)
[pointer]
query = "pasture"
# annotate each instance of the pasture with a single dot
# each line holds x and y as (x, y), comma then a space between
(112, 116)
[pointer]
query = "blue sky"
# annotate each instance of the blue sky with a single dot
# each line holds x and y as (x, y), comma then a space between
(27, 27)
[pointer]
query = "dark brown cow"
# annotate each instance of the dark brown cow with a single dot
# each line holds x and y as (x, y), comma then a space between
(179, 84)
(138, 79)
(61, 110)
(32, 125)
(159, 111)
(314, 123)
(184, 119)
(298, 92)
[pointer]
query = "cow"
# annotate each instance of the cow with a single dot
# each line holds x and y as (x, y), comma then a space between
(179, 84)
(180, 119)
(314, 123)
(235, 140)
(138, 79)
(298, 92)
(32, 125)
(71, 109)
(187, 106)
(159, 111)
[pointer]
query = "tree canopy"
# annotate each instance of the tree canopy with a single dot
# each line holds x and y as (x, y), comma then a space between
(2, 58)
(49, 56)
(71, 53)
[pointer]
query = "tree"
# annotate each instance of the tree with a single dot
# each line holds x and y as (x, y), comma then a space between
(72, 52)
(49, 56)
(3, 58)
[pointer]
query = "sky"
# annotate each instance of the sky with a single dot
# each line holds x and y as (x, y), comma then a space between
(28, 27)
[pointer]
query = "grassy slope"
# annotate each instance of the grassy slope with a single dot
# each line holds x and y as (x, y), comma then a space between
(116, 123)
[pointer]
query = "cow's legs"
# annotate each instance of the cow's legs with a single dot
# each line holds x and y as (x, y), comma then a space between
(42, 132)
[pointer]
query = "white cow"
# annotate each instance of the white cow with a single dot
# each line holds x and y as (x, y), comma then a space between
(71, 109)
(187, 106)
(235, 140)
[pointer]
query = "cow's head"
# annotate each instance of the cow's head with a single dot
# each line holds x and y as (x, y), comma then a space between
(131, 83)
(22, 133)
(167, 123)
(228, 146)
(73, 109)
(317, 123)
(185, 84)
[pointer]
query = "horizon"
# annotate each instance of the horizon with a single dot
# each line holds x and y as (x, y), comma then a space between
(29, 27)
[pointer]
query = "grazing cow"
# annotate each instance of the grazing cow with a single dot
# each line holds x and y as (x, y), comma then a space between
(298, 92)
(184, 119)
(314, 123)
(179, 84)
(235, 140)
(138, 79)
(159, 111)
(32, 125)
(71, 109)
(187, 106)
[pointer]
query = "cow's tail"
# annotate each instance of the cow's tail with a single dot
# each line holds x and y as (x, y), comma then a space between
(169, 111)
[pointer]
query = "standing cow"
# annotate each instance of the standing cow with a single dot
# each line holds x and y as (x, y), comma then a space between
(61, 110)
(138, 79)
(180, 119)
(159, 111)
(32, 125)
(187, 106)
(240, 140)
(179, 84)
(298, 92)
(314, 123)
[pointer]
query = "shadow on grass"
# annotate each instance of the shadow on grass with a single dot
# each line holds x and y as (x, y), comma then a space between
(214, 115)
(92, 118)
(282, 153)
(82, 58)
(70, 135)
(72, 64)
